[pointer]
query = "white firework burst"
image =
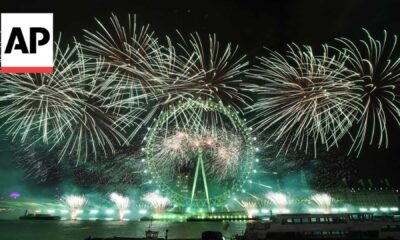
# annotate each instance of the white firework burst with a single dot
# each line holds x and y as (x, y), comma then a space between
(280, 200)
(158, 202)
(121, 202)
(377, 62)
(304, 99)
(323, 200)
(75, 203)
(41, 105)
(249, 207)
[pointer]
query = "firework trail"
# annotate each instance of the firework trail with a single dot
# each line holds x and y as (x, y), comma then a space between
(41, 105)
(157, 201)
(98, 125)
(197, 70)
(378, 65)
(143, 68)
(163, 75)
(68, 108)
(280, 200)
(323, 200)
(119, 81)
(147, 71)
(75, 203)
(216, 70)
(131, 50)
(121, 202)
(305, 99)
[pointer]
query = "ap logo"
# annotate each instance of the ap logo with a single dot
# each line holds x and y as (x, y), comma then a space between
(26, 42)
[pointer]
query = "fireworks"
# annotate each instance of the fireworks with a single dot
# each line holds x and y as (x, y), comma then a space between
(189, 94)
(159, 76)
(75, 204)
(199, 143)
(306, 99)
(250, 207)
(378, 65)
(215, 71)
(131, 50)
(98, 124)
(41, 105)
(157, 201)
(323, 200)
(178, 149)
(66, 108)
(227, 156)
(280, 201)
(121, 202)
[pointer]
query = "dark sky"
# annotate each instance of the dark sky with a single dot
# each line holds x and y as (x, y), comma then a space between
(252, 25)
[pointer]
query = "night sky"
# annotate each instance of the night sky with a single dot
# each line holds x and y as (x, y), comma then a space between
(250, 24)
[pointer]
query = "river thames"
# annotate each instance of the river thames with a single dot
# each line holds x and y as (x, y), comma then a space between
(79, 230)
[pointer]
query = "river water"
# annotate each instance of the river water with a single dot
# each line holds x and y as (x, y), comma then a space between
(79, 230)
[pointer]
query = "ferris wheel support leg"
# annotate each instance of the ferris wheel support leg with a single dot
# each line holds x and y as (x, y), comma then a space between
(196, 174)
(204, 178)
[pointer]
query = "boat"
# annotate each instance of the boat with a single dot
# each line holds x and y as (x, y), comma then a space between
(149, 235)
(32, 216)
(214, 219)
(324, 226)
(153, 235)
